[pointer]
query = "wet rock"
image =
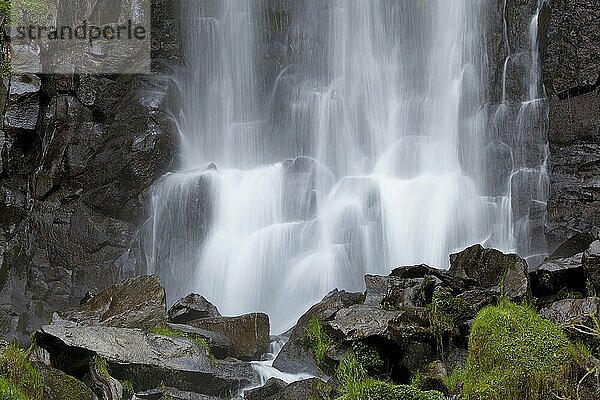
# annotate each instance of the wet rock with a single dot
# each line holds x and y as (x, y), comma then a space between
(391, 292)
(551, 276)
(295, 357)
(270, 389)
(23, 108)
(571, 312)
(422, 271)
(192, 307)
(135, 303)
(576, 244)
(490, 268)
(149, 360)
(219, 344)
(172, 393)
(591, 264)
(249, 334)
(302, 390)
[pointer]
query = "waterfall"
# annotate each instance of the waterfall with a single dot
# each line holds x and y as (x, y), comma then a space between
(375, 144)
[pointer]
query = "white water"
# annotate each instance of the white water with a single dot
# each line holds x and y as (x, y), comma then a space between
(386, 104)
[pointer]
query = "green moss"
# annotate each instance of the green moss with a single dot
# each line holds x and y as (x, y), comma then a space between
(569, 294)
(454, 381)
(178, 334)
(516, 354)
(9, 391)
(16, 368)
(65, 387)
(355, 384)
(317, 339)
(367, 356)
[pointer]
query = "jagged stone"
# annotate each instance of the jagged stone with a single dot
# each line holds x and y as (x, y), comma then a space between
(571, 312)
(248, 334)
(591, 264)
(270, 389)
(135, 303)
(192, 307)
(491, 268)
(551, 276)
(149, 360)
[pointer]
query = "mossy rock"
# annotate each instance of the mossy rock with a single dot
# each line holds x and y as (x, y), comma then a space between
(516, 354)
(377, 390)
(64, 387)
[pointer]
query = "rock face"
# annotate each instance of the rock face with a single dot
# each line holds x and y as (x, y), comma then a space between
(148, 360)
(78, 155)
(135, 303)
(571, 66)
(248, 334)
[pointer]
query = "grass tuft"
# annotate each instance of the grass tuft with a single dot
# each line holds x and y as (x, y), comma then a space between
(318, 340)
(355, 384)
(17, 370)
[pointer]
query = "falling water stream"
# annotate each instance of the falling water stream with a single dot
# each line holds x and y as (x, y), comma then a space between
(375, 144)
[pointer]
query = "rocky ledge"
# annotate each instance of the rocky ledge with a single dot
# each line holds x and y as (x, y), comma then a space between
(489, 328)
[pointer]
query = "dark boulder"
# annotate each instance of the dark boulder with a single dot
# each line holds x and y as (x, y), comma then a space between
(552, 276)
(248, 334)
(492, 268)
(591, 265)
(171, 394)
(191, 307)
(390, 292)
(295, 356)
(571, 312)
(302, 390)
(149, 360)
(270, 389)
(135, 303)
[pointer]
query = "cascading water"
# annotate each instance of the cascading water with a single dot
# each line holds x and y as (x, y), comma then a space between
(372, 148)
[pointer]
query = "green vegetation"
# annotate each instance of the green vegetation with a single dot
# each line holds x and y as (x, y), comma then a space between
(100, 365)
(35, 10)
(318, 340)
(9, 391)
(65, 387)
(516, 354)
(355, 384)
(128, 388)
(19, 376)
(367, 356)
(178, 334)
(445, 313)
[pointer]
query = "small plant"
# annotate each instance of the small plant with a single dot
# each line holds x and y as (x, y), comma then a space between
(566, 293)
(318, 340)
(454, 381)
(100, 365)
(128, 388)
(17, 370)
(355, 384)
